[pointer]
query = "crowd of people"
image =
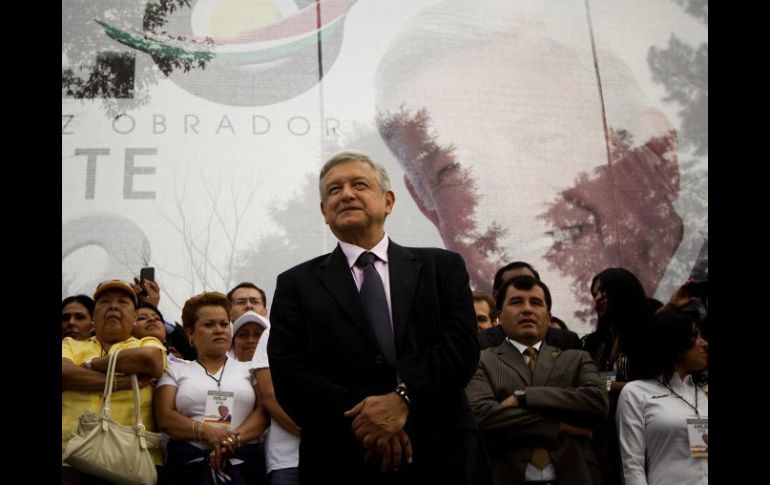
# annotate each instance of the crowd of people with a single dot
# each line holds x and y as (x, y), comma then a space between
(370, 369)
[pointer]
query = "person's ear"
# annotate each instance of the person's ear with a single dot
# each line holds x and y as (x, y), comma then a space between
(390, 200)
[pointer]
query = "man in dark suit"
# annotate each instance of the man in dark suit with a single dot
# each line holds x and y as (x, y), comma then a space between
(371, 410)
(555, 337)
(537, 404)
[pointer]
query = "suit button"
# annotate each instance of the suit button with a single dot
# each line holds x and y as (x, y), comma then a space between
(379, 359)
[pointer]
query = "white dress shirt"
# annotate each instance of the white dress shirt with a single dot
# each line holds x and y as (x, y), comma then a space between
(652, 429)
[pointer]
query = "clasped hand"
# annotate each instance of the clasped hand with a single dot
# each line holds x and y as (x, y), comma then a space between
(378, 423)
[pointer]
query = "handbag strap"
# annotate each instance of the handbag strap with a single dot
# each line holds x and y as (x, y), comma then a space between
(105, 410)
(109, 377)
(137, 404)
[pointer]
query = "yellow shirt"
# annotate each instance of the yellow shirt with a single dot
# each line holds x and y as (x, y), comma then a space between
(74, 403)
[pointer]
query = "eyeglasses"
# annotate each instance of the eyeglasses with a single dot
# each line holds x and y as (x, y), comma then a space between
(244, 301)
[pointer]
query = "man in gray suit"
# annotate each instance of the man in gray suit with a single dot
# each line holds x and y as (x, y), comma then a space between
(536, 404)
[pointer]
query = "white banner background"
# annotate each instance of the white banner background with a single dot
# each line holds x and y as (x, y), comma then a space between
(211, 175)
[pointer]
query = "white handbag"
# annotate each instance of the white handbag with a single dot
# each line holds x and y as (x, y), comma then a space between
(110, 450)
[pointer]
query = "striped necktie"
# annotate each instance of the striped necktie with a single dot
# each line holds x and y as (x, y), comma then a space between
(540, 457)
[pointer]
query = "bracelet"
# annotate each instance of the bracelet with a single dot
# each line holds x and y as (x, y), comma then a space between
(193, 425)
(114, 383)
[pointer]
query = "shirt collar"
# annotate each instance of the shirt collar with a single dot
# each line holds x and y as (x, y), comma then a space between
(678, 383)
(352, 252)
(521, 347)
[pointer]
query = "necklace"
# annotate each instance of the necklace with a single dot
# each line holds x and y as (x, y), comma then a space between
(218, 381)
(695, 408)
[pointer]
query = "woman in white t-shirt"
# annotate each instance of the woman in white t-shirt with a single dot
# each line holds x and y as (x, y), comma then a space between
(190, 395)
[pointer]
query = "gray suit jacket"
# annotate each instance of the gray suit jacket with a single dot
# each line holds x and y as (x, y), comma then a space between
(565, 387)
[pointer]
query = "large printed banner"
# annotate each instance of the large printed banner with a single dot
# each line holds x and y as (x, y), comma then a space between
(572, 134)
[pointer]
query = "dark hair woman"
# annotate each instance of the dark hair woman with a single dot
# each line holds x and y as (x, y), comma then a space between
(623, 312)
(663, 417)
(77, 317)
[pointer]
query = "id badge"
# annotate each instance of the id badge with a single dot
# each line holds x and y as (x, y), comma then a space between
(698, 432)
(219, 406)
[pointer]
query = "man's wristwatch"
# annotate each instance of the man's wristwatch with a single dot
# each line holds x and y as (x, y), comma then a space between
(88, 364)
(401, 391)
(521, 397)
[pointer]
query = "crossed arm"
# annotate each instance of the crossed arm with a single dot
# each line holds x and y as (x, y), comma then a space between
(549, 411)
(147, 362)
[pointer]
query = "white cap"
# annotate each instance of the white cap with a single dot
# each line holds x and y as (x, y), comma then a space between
(250, 317)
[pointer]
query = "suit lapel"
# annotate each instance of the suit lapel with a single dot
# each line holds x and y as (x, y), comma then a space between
(335, 275)
(513, 359)
(404, 270)
(546, 359)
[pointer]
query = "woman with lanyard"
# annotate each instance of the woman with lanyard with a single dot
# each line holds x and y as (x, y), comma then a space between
(663, 418)
(203, 448)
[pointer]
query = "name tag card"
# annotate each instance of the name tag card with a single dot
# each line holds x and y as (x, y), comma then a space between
(219, 406)
(698, 432)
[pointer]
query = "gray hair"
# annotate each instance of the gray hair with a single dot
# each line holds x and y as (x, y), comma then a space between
(347, 156)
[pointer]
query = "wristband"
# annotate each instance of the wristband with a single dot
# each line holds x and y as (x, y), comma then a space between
(401, 391)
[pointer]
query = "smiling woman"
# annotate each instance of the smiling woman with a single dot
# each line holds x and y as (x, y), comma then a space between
(247, 331)
(150, 323)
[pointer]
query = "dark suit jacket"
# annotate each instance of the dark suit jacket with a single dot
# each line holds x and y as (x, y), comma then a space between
(565, 387)
(324, 359)
(555, 337)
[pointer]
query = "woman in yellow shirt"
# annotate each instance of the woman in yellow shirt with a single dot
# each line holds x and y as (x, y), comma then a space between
(84, 364)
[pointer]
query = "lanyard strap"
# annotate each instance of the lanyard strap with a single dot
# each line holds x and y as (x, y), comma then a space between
(222, 373)
(695, 408)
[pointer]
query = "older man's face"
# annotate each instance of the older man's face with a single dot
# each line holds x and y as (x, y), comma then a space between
(353, 202)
